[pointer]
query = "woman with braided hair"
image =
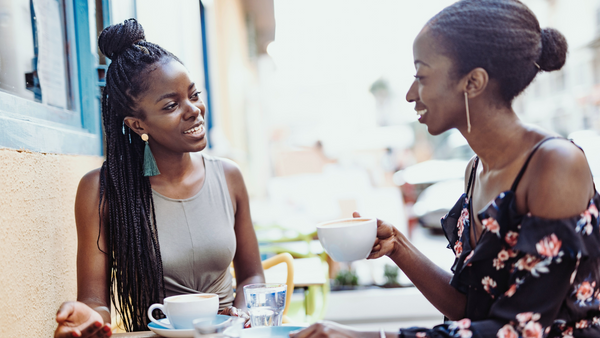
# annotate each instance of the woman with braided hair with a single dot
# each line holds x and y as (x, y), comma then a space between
(525, 233)
(158, 218)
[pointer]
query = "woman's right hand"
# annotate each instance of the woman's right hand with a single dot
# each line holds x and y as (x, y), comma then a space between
(386, 242)
(76, 319)
(235, 312)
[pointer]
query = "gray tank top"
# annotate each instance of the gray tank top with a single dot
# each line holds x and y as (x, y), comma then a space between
(197, 238)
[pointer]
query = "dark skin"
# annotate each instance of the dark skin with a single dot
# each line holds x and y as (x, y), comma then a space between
(172, 114)
(556, 184)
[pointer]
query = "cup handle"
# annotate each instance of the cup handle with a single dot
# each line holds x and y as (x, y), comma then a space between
(161, 308)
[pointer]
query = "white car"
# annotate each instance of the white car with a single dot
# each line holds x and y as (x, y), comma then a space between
(436, 200)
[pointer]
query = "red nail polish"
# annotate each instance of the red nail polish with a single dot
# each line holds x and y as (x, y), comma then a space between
(97, 324)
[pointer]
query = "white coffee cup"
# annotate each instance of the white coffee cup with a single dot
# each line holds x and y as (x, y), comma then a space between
(348, 239)
(182, 310)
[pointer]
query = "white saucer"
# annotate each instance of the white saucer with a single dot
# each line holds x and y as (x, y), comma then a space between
(170, 333)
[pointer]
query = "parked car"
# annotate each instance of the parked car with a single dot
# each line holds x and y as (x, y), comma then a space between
(431, 188)
(436, 200)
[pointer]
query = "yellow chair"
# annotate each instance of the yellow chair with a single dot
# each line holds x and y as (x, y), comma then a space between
(289, 261)
(316, 297)
(271, 262)
(116, 322)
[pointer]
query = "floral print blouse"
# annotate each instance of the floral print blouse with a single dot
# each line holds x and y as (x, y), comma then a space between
(527, 277)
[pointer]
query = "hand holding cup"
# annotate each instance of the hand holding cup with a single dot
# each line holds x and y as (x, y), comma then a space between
(349, 239)
(385, 241)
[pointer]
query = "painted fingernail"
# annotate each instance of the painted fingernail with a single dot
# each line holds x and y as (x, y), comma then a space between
(97, 324)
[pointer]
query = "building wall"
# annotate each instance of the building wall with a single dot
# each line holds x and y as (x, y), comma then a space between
(37, 238)
(239, 128)
(567, 100)
(173, 25)
(232, 73)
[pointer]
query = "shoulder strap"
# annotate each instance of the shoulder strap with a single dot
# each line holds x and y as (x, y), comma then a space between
(522, 171)
(469, 191)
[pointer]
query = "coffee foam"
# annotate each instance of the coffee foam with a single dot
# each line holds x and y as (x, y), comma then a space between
(344, 223)
(189, 298)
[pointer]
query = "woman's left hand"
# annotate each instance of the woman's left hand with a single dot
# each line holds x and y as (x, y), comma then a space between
(387, 239)
(326, 329)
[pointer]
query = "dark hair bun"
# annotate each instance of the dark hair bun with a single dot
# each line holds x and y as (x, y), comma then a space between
(115, 39)
(554, 50)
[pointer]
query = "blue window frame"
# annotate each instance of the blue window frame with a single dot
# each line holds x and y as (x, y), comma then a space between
(75, 129)
(209, 118)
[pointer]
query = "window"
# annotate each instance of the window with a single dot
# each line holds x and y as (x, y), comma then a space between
(49, 87)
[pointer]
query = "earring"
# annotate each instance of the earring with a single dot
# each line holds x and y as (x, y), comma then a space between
(468, 117)
(150, 167)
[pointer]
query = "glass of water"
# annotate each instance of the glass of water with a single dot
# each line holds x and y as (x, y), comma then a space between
(265, 303)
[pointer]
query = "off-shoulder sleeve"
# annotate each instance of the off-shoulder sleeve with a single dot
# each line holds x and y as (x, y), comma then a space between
(552, 285)
(553, 257)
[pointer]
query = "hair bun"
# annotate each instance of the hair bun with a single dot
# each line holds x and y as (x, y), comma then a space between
(554, 50)
(115, 39)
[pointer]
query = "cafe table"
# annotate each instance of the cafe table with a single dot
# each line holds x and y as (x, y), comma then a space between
(307, 272)
(142, 334)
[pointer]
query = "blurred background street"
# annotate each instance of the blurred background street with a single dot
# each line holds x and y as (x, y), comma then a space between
(308, 97)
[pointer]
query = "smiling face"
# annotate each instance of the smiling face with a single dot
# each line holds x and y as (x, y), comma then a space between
(437, 94)
(170, 111)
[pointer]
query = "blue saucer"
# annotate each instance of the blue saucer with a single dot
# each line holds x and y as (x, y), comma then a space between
(270, 332)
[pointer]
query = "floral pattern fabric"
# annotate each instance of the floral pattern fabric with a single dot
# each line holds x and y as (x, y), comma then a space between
(527, 277)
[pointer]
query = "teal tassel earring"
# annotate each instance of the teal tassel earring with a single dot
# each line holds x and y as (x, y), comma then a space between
(150, 167)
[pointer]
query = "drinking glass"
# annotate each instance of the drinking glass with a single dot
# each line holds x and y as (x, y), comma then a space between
(265, 303)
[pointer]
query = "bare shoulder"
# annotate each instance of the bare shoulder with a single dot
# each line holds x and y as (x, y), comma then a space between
(88, 197)
(558, 180)
(90, 181)
(233, 175)
(89, 185)
(230, 167)
(232, 170)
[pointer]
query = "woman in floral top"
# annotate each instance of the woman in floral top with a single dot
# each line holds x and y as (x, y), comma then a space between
(525, 233)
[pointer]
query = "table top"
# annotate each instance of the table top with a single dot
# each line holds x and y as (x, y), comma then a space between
(141, 334)
(307, 271)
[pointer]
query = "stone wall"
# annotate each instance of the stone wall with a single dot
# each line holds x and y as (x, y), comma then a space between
(38, 239)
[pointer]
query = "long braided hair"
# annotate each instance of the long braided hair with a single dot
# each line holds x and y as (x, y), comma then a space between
(126, 206)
